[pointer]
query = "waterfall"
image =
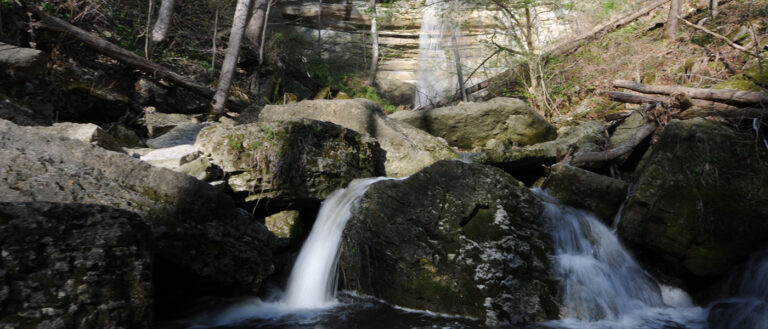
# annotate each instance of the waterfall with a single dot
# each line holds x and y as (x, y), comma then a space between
(313, 280)
(436, 76)
(747, 308)
(603, 285)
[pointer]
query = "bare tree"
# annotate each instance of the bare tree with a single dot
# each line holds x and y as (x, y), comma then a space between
(256, 23)
(230, 59)
(374, 43)
(160, 32)
(673, 22)
(264, 31)
(713, 8)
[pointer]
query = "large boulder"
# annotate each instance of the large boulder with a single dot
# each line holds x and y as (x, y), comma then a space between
(700, 202)
(454, 238)
(586, 137)
(583, 189)
(158, 123)
(199, 233)
(86, 132)
(408, 149)
(291, 161)
(74, 266)
(22, 115)
(470, 125)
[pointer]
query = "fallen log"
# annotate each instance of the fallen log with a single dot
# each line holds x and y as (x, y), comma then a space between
(737, 114)
(717, 95)
(666, 101)
(617, 151)
(726, 39)
(121, 54)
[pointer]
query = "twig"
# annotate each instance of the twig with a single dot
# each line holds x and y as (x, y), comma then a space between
(728, 41)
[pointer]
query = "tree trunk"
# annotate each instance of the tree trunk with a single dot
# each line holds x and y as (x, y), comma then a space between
(748, 113)
(374, 44)
(230, 59)
(673, 23)
(256, 23)
(264, 31)
(643, 99)
(717, 95)
(713, 8)
(163, 24)
(319, 22)
(456, 55)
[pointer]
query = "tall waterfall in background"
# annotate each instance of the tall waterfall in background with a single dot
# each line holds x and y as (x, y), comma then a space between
(604, 287)
(436, 74)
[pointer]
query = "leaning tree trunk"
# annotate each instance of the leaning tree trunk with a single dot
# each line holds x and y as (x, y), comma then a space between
(713, 8)
(160, 32)
(673, 22)
(230, 59)
(374, 44)
(256, 23)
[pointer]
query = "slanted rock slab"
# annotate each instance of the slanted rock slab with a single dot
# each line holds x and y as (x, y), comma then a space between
(408, 149)
(583, 189)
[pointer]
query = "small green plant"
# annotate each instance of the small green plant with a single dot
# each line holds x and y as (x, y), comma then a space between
(702, 39)
(370, 93)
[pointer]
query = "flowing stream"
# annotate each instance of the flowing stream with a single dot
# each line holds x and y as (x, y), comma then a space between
(603, 286)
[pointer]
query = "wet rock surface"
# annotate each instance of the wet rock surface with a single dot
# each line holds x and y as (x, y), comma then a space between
(586, 190)
(700, 202)
(454, 238)
(74, 266)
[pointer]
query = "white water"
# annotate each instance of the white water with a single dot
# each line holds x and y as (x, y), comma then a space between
(604, 287)
(313, 280)
(747, 306)
(436, 76)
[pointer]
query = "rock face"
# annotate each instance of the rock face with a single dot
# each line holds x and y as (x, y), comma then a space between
(584, 137)
(86, 132)
(408, 149)
(454, 238)
(586, 190)
(195, 227)
(74, 266)
(288, 162)
(470, 125)
(700, 203)
(160, 123)
(21, 63)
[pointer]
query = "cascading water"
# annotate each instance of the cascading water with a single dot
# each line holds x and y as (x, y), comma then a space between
(313, 280)
(604, 287)
(748, 306)
(436, 77)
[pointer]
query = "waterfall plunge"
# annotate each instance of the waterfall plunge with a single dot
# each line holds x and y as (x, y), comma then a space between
(604, 287)
(436, 74)
(312, 283)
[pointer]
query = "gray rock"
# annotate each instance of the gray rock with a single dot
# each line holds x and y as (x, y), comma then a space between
(75, 265)
(586, 190)
(185, 133)
(293, 161)
(585, 137)
(125, 136)
(85, 132)
(626, 130)
(202, 169)
(172, 157)
(158, 123)
(22, 115)
(454, 238)
(408, 149)
(21, 63)
(283, 222)
(396, 91)
(700, 202)
(470, 125)
(195, 227)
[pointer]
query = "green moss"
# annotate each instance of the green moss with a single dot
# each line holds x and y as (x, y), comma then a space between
(480, 227)
(757, 74)
(738, 82)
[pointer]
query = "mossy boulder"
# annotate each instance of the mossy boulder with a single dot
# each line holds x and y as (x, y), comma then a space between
(601, 195)
(408, 149)
(739, 82)
(454, 238)
(290, 162)
(700, 202)
(470, 125)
